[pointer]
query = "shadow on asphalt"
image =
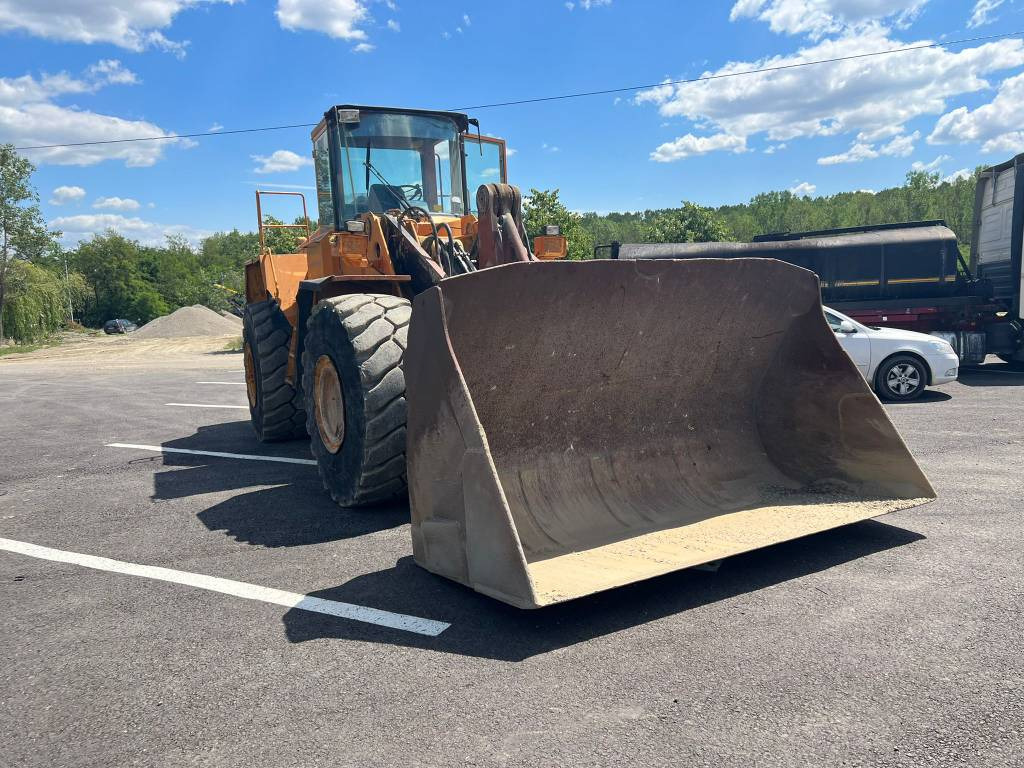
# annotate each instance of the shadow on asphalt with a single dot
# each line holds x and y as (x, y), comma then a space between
(294, 511)
(483, 627)
(928, 396)
(991, 375)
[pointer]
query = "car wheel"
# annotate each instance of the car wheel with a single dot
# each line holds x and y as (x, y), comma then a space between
(901, 378)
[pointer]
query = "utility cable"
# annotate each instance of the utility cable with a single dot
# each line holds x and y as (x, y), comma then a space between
(563, 96)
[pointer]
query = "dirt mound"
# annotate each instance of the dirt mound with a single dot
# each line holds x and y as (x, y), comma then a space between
(232, 317)
(196, 320)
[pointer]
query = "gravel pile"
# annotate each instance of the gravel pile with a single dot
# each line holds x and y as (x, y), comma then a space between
(232, 317)
(196, 320)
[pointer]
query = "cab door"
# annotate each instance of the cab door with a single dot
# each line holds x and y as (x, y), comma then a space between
(485, 164)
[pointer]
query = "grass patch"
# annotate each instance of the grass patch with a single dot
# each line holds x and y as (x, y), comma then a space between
(235, 345)
(17, 349)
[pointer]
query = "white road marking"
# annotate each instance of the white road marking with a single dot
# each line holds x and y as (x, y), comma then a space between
(208, 405)
(241, 589)
(233, 383)
(219, 454)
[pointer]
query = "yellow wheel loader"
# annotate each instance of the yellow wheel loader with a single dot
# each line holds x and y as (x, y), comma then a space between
(560, 428)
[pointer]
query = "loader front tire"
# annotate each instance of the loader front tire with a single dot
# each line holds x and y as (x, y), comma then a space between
(275, 408)
(355, 396)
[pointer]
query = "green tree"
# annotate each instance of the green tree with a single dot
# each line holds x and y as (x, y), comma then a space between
(689, 224)
(543, 208)
(113, 265)
(284, 239)
(37, 301)
(23, 234)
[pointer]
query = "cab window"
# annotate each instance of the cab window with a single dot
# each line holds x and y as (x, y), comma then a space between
(322, 168)
(485, 164)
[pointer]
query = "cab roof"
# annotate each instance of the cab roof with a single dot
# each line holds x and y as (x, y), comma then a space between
(460, 119)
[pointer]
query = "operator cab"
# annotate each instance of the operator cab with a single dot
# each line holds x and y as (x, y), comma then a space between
(374, 159)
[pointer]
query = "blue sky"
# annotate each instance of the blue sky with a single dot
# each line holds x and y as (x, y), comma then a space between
(81, 71)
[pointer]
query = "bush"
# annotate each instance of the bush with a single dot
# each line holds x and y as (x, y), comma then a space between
(37, 302)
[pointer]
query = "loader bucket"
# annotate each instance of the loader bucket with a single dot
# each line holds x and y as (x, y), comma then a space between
(577, 426)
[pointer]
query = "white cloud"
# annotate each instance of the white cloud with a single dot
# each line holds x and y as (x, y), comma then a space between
(336, 18)
(84, 226)
(489, 172)
(901, 146)
(281, 161)
(363, 47)
(803, 188)
(215, 128)
(858, 152)
(30, 116)
(816, 18)
(934, 165)
(690, 145)
(775, 148)
(874, 96)
(982, 12)
(963, 173)
(465, 20)
(116, 203)
(996, 123)
(394, 26)
(128, 24)
(549, 148)
(445, 34)
(587, 4)
(1008, 143)
(111, 72)
(509, 151)
(65, 194)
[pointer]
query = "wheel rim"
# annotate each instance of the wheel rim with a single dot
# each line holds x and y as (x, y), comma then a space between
(328, 404)
(250, 375)
(903, 379)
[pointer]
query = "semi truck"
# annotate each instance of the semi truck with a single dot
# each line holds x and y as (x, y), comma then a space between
(909, 275)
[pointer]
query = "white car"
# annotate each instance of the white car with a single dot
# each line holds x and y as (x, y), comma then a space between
(898, 364)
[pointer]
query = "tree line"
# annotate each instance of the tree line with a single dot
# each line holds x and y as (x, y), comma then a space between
(43, 286)
(921, 197)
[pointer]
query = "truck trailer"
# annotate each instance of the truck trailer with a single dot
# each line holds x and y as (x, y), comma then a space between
(908, 275)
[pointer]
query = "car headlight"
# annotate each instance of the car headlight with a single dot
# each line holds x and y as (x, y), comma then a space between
(942, 347)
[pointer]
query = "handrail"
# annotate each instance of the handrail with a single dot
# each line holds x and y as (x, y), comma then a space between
(262, 226)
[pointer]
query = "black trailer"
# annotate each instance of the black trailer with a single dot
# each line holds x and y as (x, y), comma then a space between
(908, 275)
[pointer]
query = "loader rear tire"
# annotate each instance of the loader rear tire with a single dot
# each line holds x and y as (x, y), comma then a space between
(355, 396)
(275, 407)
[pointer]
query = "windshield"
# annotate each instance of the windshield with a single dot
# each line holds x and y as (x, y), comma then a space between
(391, 160)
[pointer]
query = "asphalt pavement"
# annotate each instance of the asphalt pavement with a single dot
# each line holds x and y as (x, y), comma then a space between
(894, 642)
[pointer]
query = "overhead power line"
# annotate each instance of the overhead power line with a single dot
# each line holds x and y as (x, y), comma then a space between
(742, 73)
(563, 96)
(169, 136)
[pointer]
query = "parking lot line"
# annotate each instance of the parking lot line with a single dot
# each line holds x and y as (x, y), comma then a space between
(361, 613)
(207, 405)
(218, 454)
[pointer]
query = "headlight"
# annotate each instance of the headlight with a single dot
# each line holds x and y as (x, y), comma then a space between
(943, 347)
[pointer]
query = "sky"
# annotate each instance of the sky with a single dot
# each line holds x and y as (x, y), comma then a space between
(80, 70)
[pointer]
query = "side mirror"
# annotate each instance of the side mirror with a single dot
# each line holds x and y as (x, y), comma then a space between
(847, 327)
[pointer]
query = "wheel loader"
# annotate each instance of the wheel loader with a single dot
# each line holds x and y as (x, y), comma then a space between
(559, 427)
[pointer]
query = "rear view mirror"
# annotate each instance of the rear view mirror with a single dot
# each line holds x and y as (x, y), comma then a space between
(847, 327)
